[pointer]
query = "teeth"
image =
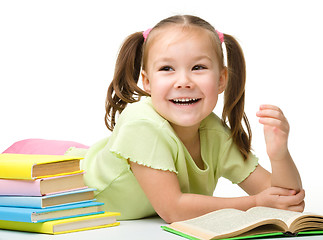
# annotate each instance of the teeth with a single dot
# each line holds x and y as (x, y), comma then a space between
(183, 100)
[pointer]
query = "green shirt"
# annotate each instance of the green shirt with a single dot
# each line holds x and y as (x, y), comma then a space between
(141, 135)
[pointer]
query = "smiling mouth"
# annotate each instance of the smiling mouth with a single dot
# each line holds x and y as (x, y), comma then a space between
(185, 101)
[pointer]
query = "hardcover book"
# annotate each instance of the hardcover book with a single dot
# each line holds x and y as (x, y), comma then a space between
(34, 215)
(32, 166)
(42, 186)
(81, 195)
(95, 221)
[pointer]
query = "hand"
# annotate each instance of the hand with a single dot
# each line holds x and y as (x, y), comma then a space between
(281, 198)
(276, 130)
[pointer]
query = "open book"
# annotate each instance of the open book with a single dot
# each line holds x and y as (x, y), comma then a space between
(232, 223)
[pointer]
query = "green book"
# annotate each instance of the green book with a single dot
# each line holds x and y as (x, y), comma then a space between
(256, 223)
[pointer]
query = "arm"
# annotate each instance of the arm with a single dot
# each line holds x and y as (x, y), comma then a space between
(276, 130)
(283, 187)
(259, 184)
(163, 191)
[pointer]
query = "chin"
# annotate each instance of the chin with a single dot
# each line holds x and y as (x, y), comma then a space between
(185, 124)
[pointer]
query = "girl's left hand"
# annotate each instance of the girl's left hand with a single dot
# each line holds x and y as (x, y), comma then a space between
(276, 130)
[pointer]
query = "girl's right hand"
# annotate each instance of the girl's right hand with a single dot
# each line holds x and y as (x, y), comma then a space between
(281, 198)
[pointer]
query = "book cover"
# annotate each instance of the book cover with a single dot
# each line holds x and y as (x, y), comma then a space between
(64, 198)
(34, 215)
(257, 236)
(42, 186)
(32, 166)
(107, 219)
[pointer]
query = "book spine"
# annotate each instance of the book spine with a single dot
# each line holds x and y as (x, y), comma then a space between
(15, 171)
(20, 187)
(21, 201)
(27, 226)
(8, 214)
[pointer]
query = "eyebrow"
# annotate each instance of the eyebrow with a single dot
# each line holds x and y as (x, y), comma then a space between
(164, 59)
(203, 57)
(161, 61)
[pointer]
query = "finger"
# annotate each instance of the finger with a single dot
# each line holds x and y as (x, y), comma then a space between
(282, 191)
(268, 106)
(297, 208)
(303, 192)
(300, 195)
(294, 200)
(284, 126)
(271, 113)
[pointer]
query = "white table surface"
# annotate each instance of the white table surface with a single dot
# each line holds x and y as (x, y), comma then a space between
(136, 229)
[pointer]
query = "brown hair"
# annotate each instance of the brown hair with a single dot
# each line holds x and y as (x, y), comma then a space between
(132, 56)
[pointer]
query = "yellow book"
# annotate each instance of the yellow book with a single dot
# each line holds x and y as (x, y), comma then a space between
(32, 166)
(107, 219)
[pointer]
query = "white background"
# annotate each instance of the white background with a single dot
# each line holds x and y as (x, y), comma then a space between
(57, 60)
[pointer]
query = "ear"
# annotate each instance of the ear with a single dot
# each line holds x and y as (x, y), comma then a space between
(223, 80)
(145, 81)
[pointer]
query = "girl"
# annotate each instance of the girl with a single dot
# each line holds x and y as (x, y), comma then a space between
(168, 150)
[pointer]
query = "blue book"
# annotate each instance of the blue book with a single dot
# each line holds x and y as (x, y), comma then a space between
(70, 197)
(35, 215)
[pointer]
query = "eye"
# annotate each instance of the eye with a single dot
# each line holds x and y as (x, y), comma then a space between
(199, 67)
(166, 68)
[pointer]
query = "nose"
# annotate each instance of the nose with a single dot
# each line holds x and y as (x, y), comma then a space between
(183, 81)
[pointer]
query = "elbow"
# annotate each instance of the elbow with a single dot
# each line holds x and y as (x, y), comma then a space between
(171, 212)
(167, 220)
(169, 216)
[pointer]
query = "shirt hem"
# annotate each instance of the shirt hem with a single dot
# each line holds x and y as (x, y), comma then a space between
(126, 158)
(253, 169)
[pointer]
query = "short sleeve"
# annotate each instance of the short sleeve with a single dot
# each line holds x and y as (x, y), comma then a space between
(145, 143)
(233, 166)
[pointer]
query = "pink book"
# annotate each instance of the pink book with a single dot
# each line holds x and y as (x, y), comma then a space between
(43, 186)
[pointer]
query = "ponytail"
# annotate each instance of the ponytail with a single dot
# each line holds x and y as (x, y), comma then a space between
(234, 96)
(123, 88)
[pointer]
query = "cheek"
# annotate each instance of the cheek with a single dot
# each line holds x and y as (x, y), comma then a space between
(211, 90)
(210, 86)
(159, 85)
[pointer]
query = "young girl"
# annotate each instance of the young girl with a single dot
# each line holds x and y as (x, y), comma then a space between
(168, 150)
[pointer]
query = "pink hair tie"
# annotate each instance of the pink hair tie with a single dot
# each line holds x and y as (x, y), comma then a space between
(146, 33)
(221, 36)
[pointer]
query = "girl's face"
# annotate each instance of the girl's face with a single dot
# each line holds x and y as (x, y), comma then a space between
(183, 75)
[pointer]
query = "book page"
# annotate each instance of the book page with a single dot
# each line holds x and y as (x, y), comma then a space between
(218, 222)
(287, 216)
(225, 221)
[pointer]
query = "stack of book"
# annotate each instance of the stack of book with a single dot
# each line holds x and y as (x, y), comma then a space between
(47, 194)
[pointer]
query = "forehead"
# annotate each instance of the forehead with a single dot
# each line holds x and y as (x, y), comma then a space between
(171, 35)
(176, 39)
